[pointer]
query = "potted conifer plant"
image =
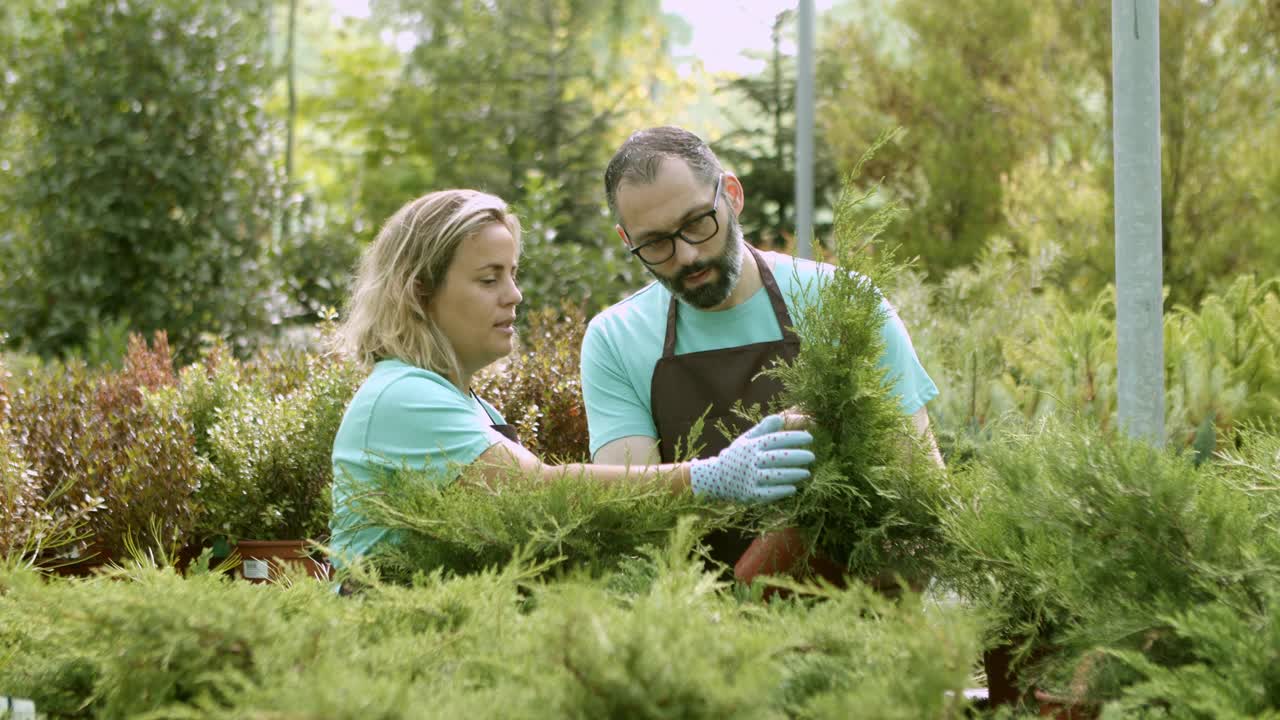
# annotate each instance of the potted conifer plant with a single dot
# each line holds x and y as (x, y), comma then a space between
(867, 511)
(1080, 544)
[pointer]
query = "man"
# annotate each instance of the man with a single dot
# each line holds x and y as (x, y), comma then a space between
(719, 313)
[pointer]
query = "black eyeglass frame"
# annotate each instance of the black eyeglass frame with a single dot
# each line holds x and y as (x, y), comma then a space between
(680, 232)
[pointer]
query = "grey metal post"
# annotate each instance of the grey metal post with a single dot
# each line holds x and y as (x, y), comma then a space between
(1135, 62)
(804, 130)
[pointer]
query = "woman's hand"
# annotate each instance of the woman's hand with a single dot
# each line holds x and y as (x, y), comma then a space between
(761, 465)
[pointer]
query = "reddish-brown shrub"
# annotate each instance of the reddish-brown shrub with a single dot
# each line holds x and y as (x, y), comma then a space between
(127, 463)
(538, 388)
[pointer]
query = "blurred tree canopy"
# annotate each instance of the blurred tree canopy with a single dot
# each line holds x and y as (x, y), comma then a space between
(760, 147)
(1001, 98)
(526, 100)
(141, 189)
(142, 144)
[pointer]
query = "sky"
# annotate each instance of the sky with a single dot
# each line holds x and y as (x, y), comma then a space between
(722, 29)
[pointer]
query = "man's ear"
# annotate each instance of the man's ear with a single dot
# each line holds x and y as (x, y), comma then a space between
(623, 234)
(733, 188)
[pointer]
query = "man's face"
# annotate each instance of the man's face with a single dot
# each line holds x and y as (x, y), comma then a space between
(702, 274)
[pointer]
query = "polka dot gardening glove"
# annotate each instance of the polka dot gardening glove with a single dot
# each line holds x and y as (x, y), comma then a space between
(762, 465)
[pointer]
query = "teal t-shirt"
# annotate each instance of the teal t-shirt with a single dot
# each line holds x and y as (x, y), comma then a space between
(624, 343)
(401, 417)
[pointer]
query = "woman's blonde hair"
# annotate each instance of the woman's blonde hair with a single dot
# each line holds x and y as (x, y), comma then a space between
(404, 267)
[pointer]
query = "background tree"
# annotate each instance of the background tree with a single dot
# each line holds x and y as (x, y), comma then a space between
(942, 72)
(145, 191)
(523, 100)
(761, 147)
(492, 91)
(996, 99)
(1219, 129)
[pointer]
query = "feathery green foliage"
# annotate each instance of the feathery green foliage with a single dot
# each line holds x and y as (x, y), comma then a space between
(1233, 668)
(1076, 540)
(867, 503)
(145, 642)
(472, 524)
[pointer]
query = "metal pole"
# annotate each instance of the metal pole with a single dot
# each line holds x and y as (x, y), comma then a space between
(1135, 61)
(804, 131)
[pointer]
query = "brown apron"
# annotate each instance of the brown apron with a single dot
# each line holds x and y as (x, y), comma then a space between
(685, 386)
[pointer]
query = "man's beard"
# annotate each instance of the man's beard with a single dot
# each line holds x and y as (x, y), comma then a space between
(728, 264)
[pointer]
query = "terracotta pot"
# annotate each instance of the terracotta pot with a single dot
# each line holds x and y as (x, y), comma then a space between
(1065, 708)
(783, 553)
(263, 560)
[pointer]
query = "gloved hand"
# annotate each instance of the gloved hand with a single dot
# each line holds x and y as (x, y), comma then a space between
(761, 465)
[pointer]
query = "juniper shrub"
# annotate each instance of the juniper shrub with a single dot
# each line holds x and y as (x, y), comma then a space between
(1080, 540)
(868, 504)
(538, 388)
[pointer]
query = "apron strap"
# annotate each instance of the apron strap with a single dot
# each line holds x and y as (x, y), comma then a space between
(780, 312)
(483, 408)
(669, 344)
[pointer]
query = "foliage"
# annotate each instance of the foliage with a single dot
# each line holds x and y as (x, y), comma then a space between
(145, 192)
(27, 528)
(562, 79)
(103, 452)
(1008, 112)
(472, 524)
(555, 269)
(965, 330)
(1220, 363)
(1075, 541)
(1232, 672)
(143, 641)
(1218, 134)
(1253, 466)
(761, 147)
(1006, 341)
(867, 504)
(538, 389)
(950, 76)
(315, 260)
(30, 525)
(265, 468)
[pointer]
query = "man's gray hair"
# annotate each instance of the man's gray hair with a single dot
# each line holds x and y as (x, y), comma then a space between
(640, 157)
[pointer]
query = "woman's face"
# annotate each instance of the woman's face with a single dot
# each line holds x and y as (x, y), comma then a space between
(476, 305)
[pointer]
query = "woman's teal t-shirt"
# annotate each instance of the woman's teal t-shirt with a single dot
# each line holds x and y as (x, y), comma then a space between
(401, 417)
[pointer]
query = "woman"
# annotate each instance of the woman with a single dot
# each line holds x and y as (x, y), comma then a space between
(434, 301)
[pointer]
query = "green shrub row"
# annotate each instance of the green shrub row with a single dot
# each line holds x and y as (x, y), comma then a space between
(145, 642)
(167, 459)
(1002, 341)
(226, 447)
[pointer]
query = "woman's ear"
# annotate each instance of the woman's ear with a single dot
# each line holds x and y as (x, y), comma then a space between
(423, 295)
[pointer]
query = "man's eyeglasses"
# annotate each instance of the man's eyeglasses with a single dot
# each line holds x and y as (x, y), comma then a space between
(696, 231)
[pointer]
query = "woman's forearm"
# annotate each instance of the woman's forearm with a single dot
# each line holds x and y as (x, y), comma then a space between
(674, 476)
